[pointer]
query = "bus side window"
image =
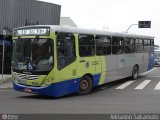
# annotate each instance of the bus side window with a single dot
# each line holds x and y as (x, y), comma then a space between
(65, 49)
(103, 45)
(139, 45)
(86, 45)
(117, 45)
(147, 44)
(129, 45)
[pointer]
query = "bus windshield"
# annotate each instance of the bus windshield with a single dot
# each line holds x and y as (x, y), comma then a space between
(32, 54)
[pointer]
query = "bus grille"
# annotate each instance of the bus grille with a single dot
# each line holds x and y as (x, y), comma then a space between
(21, 76)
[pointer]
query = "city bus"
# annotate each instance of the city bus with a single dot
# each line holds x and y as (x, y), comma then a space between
(59, 60)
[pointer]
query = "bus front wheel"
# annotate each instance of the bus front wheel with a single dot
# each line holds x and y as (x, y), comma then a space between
(135, 72)
(85, 86)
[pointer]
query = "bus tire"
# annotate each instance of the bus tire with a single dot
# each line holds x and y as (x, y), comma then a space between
(85, 85)
(135, 72)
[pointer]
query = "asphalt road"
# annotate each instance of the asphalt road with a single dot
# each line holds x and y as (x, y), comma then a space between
(123, 96)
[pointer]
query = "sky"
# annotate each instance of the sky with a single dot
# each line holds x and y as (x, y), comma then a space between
(113, 15)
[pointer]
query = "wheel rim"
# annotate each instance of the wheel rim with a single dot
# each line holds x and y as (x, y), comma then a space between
(84, 85)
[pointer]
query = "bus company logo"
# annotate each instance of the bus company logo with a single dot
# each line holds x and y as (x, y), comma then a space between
(4, 116)
(87, 64)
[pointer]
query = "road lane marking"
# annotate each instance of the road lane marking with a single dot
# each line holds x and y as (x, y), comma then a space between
(125, 85)
(142, 85)
(149, 71)
(157, 86)
(154, 76)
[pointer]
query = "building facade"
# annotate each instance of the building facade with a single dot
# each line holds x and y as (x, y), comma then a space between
(17, 13)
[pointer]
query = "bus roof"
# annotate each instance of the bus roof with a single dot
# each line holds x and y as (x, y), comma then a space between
(59, 28)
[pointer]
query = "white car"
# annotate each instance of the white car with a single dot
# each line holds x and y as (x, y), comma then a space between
(156, 62)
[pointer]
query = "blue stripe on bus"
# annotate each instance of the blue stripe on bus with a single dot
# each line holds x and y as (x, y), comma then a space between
(96, 79)
(57, 89)
(150, 60)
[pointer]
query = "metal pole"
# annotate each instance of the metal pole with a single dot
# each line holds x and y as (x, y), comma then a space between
(4, 33)
(3, 59)
(130, 27)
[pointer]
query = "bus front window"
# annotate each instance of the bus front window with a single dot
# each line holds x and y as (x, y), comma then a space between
(33, 54)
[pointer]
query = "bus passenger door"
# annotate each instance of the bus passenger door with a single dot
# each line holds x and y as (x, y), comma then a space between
(103, 51)
(66, 56)
(141, 57)
(116, 62)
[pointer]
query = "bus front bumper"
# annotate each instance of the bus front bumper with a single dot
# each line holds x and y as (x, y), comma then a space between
(55, 90)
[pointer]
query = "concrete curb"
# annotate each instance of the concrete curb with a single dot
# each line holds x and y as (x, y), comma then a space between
(4, 88)
(6, 83)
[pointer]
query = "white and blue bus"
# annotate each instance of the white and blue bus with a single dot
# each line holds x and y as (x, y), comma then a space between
(57, 60)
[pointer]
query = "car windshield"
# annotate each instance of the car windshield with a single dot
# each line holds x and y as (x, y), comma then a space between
(32, 54)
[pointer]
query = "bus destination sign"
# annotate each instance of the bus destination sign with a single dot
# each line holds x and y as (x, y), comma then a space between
(32, 32)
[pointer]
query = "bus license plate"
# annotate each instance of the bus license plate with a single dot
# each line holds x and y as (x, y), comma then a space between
(27, 90)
